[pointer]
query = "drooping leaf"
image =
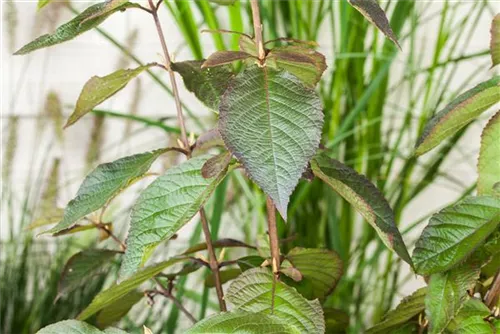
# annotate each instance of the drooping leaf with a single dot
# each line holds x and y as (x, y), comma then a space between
(376, 15)
(471, 308)
(409, 308)
(272, 123)
(305, 63)
(82, 267)
(489, 157)
(164, 207)
(242, 322)
(495, 41)
(99, 89)
(117, 291)
(249, 262)
(80, 228)
(114, 312)
(446, 294)
(365, 198)
(103, 183)
(252, 292)
(336, 321)
(207, 84)
(321, 270)
(455, 232)
(225, 276)
(75, 27)
(215, 165)
(219, 58)
(221, 243)
(76, 327)
(463, 110)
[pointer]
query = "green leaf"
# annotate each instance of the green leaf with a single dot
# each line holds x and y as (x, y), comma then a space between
(471, 308)
(305, 63)
(103, 183)
(376, 15)
(247, 44)
(207, 84)
(76, 327)
(252, 291)
(489, 157)
(82, 267)
(219, 58)
(164, 207)
(114, 312)
(474, 325)
(225, 276)
(463, 110)
(272, 123)
(75, 27)
(336, 321)
(221, 243)
(242, 322)
(447, 292)
(321, 270)
(409, 308)
(223, 2)
(99, 89)
(249, 262)
(366, 199)
(495, 41)
(42, 3)
(455, 232)
(215, 165)
(118, 291)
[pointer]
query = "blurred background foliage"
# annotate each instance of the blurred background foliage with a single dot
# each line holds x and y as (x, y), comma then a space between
(376, 101)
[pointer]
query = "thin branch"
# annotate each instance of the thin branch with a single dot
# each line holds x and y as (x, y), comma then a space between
(257, 27)
(214, 265)
(493, 294)
(167, 293)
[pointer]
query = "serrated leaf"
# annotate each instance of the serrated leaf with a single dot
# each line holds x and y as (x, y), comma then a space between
(114, 312)
(82, 267)
(164, 207)
(409, 308)
(76, 327)
(225, 276)
(489, 157)
(305, 63)
(446, 294)
(463, 110)
(99, 89)
(471, 308)
(365, 198)
(103, 183)
(455, 232)
(272, 123)
(376, 15)
(117, 291)
(474, 325)
(242, 322)
(73, 28)
(219, 58)
(495, 41)
(321, 270)
(252, 291)
(207, 84)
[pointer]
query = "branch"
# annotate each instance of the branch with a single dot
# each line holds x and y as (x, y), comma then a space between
(257, 27)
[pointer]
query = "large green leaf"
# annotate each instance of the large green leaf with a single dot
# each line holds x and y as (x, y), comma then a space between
(321, 270)
(495, 40)
(447, 292)
(103, 183)
(76, 327)
(489, 157)
(455, 232)
(365, 198)
(164, 207)
(409, 308)
(242, 322)
(474, 325)
(118, 291)
(272, 123)
(376, 15)
(471, 308)
(82, 267)
(99, 89)
(463, 110)
(207, 84)
(252, 291)
(114, 312)
(88, 19)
